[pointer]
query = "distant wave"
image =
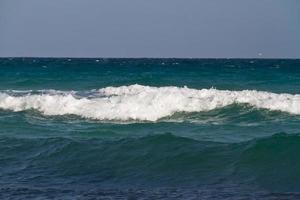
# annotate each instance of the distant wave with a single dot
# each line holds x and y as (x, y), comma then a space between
(137, 102)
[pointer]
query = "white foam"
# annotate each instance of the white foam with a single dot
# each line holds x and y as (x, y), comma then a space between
(137, 102)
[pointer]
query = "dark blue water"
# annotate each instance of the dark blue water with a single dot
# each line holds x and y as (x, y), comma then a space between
(149, 129)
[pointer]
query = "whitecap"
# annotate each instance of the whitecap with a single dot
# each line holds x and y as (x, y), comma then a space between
(137, 102)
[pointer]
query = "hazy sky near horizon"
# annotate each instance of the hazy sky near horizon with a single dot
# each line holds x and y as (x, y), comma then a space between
(150, 28)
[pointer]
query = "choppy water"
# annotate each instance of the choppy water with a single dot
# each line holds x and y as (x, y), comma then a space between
(149, 129)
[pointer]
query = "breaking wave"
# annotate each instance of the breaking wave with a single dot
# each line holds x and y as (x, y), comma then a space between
(137, 102)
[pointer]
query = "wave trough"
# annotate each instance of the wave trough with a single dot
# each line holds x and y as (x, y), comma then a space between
(137, 102)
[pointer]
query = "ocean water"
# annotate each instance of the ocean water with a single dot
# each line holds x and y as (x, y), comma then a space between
(149, 129)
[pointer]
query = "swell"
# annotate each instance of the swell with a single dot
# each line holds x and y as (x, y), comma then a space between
(136, 102)
(272, 162)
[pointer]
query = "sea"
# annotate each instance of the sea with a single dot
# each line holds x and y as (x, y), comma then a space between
(104, 128)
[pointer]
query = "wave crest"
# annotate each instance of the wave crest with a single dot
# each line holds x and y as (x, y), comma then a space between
(137, 102)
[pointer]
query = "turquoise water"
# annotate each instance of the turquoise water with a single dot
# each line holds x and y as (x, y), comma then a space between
(149, 129)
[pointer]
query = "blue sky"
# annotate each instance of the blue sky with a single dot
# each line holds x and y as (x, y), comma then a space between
(150, 28)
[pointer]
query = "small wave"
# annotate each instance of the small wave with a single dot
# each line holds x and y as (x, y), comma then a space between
(145, 103)
(270, 161)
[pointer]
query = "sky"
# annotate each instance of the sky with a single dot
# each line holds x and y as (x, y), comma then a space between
(150, 28)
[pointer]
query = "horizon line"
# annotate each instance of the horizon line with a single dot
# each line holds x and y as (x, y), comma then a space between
(191, 58)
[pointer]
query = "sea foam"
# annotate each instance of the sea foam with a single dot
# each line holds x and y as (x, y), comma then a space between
(137, 102)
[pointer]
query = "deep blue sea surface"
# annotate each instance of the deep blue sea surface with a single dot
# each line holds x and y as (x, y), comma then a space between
(149, 128)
